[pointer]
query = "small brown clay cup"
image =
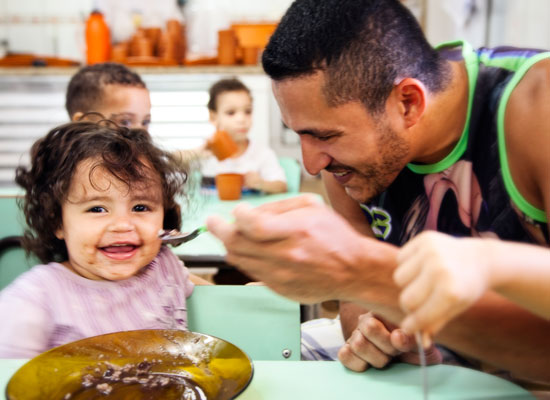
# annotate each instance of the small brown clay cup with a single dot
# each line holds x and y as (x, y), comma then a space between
(229, 186)
(222, 145)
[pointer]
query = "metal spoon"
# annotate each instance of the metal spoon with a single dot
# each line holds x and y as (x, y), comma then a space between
(175, 238)
(421, 340)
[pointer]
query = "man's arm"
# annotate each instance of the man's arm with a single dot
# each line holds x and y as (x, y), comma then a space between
(369, 339)
(494, 326)
(442, 276)
(527, 133)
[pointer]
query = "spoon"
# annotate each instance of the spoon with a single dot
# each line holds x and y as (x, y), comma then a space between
(422, 340)
(175, 238)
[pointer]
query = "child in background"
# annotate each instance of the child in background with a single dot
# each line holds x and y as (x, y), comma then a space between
(436, 288)
(97, 196)
(230, 108)
(109, 91)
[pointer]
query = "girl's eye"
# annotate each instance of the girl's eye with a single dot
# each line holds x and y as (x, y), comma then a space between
(141, 208)
(97, 209)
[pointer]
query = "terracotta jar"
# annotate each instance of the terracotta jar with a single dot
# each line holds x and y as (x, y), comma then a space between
(227, 47)
(229, 186)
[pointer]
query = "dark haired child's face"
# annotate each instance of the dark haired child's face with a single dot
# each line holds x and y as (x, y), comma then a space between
(128, 106)
(233, 114)
(110, 230)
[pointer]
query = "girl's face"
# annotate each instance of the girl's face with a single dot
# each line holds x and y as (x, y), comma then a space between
(233, 114)
(110, 230)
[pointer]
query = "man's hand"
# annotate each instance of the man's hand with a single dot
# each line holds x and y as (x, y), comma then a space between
(303, 250)
(376, 342)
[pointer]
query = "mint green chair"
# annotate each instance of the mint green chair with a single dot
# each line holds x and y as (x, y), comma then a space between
(293, 173)
(13, 260)
(12, 221)
(262, 323)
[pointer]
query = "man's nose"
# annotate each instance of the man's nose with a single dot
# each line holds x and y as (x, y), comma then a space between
(314, 158)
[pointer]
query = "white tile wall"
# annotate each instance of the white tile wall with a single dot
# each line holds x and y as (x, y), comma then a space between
(30, 106)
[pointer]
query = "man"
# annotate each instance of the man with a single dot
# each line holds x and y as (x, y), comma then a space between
(407, 139)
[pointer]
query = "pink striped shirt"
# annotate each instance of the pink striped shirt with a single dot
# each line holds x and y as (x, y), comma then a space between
(50, 305)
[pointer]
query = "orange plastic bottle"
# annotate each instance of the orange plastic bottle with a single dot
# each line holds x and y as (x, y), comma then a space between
(98, 39)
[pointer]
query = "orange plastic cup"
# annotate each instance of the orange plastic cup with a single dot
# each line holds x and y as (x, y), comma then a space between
(229, 186)
(222, 145)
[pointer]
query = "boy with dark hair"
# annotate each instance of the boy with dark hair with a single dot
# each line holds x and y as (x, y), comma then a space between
(109, 90)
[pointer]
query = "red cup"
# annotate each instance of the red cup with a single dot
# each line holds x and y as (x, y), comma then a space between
(229, 186)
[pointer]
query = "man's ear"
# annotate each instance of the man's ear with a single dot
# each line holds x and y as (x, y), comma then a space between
(411, 97)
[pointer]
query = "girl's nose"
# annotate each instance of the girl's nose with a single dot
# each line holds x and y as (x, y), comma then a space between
(122, 222)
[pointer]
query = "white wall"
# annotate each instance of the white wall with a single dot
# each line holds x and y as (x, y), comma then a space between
(53, 27)
(489, 22)
(448, 20)
(522, 23)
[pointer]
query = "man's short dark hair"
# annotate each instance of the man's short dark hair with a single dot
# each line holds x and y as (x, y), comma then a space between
(223, 86)
(362, 46)
(85, 89)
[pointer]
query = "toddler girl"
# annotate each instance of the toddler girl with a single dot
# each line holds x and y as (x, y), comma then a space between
(96, 197)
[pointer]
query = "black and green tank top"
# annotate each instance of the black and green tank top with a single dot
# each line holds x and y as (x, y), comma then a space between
(470, 192)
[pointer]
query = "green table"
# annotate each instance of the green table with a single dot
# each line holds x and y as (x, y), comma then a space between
(206, 249)
(320, 380)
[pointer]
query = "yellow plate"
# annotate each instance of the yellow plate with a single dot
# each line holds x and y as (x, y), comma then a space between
(141, 364)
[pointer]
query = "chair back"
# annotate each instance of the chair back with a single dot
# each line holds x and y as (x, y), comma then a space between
(262, 323)
(12, 221)
(293, 173)
(13, 260)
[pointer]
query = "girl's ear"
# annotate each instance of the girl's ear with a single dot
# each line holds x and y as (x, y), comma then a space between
(411, 95)
(59, 234)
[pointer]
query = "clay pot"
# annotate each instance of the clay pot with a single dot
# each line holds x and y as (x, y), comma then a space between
(222, 145)
(229, 186)
(227, 47)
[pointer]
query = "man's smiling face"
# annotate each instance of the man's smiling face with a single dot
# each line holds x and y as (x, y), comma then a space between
(363, 153)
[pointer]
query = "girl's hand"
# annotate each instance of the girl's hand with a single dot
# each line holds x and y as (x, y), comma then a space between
(441, 276)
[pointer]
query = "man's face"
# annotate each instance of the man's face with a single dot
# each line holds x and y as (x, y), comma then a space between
(363, 153)
(110, 230)
(128, 106)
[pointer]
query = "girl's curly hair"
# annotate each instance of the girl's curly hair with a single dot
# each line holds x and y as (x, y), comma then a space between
(128, 154)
